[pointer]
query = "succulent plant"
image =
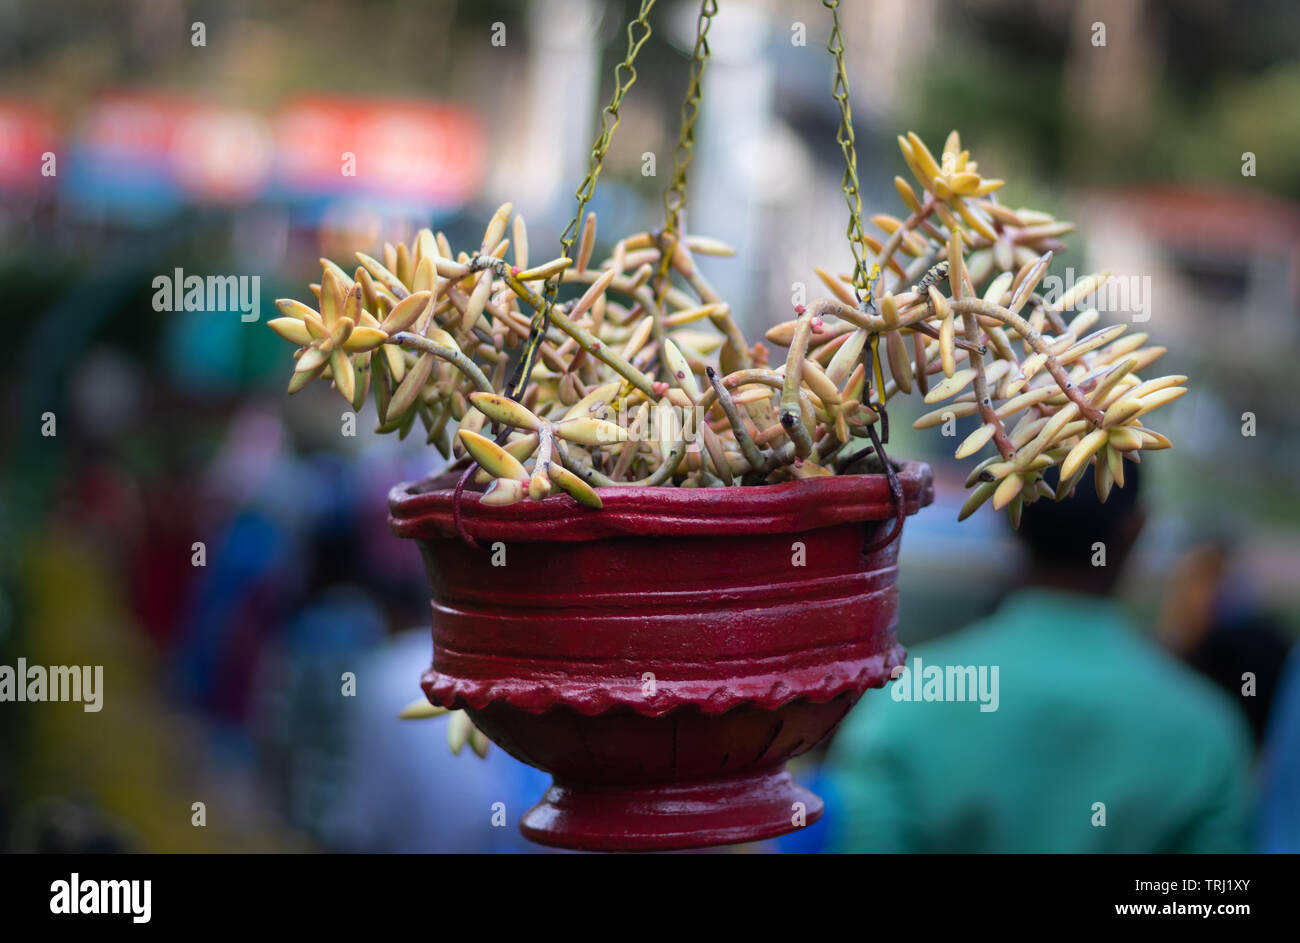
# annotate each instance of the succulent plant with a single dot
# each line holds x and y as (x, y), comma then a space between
(645, 377)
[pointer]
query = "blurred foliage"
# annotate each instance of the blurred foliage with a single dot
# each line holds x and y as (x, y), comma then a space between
(1224, 80)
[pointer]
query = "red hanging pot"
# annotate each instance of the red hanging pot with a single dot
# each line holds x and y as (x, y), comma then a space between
(663, 657)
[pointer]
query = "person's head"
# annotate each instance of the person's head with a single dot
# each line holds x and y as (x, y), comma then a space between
(1082, 542)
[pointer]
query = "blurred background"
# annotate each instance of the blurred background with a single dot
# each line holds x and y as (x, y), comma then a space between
(222, 549)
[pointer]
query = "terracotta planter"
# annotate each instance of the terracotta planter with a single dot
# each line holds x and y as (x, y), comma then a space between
(663, 657)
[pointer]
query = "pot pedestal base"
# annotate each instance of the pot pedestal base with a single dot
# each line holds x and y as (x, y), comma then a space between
(671, 816)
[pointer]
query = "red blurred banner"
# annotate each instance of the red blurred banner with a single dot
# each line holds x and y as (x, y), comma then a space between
(26, 135)
(432, 154)
(212, 152)
(137, 151)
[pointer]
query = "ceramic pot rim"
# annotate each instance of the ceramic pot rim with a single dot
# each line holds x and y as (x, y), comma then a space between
(416, 511)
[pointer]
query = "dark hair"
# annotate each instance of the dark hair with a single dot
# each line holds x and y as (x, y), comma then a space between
(1064, 531)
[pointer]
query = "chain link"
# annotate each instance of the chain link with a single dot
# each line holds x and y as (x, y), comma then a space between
(624, 78)
(865, 278)
(675, 195)
(638, 31)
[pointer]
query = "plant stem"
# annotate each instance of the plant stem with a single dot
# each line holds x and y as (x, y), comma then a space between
(987, 412)
(1035, 341)
(584, 339)
(746, 442)
(915, 321)
(455, 357)
(659, 476)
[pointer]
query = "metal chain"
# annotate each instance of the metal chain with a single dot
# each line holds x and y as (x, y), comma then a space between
(865, 278)
(638, 31)
(675, 195)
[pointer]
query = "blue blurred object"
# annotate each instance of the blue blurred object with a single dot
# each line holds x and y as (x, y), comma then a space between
(205, 350)
(126, 188)
(407, 793)
(1279, 813)
(237, 605)
(815, 838)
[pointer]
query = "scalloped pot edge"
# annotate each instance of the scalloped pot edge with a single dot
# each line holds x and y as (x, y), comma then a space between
(767, 691)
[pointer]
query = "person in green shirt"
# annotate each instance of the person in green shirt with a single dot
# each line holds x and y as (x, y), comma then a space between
(1051, 726)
